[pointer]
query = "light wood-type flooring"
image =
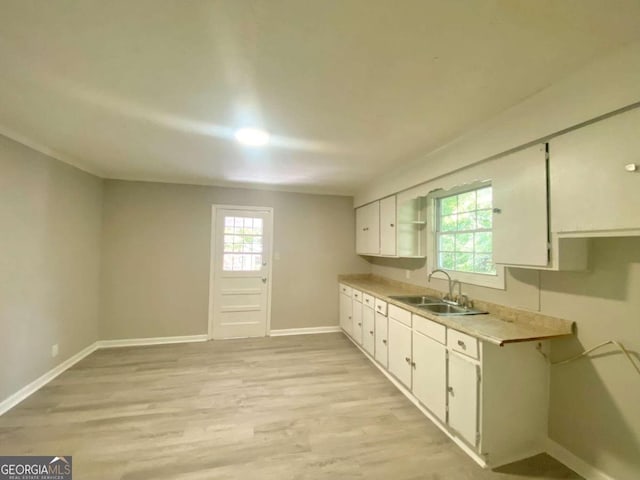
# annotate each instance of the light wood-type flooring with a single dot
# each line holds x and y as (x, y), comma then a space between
(300, 407)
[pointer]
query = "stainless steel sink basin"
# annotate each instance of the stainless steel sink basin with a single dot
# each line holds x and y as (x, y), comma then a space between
(435, 305)
(448, 309)
(416, 300)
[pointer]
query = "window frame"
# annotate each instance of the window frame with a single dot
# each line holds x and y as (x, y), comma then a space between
(496, 280)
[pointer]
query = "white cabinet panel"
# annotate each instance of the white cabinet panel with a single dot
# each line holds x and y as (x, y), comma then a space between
(368, 318)
(381, 306)
(463, 398)
(432, 329)
(591, 188)
(388, 226)
(346, 311)
(520, 220)
(368, 334)
(368, 229)
(400, 314)
(430, 374)
(357, 322)
(381, 334)
(400, 351)
(463, 343)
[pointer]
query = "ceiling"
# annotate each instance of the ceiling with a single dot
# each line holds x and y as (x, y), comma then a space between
(154, 89)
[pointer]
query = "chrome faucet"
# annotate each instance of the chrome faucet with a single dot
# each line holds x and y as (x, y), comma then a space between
(462, 299)
(450, 296)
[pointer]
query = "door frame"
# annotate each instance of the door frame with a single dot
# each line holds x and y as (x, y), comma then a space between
(212, 256)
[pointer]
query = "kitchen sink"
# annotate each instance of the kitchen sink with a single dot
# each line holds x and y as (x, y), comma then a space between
(435, 305)
(448, 309)
(416, 300)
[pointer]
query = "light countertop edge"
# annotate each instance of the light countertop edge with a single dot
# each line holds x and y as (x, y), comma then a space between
(487, 327)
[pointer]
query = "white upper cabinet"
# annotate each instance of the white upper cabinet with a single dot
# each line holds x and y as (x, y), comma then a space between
(388, 226)
(595, 178)
(520, 227)
(368, 229)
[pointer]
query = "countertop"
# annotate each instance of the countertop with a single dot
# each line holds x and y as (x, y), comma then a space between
(501, 326)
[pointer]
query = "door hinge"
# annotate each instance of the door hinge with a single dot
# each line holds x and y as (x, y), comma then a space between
(478, 438)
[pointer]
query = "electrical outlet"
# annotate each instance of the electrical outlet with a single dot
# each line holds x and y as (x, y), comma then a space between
(54, 350)
(407, 274)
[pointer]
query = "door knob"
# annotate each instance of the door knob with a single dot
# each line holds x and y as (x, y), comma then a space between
(407, 359)
(450, 390)
(264, 279)
(384, 341)
(497, 210)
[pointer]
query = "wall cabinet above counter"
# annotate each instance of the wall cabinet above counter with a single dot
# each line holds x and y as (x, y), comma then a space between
(595, 178)
(390, 228)
(547, 200)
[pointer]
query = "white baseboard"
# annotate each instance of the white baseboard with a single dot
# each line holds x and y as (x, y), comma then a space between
(13, 400)
(26, 391)
(139, 342)
(574, 462)
(304, 331)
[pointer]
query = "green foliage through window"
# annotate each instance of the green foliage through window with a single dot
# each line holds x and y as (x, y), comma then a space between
(464, 232)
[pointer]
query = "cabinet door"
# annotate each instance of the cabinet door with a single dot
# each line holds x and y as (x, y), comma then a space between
(388, 226)
(368, 229)
(381, 334)
(463, 397)
(520, 220)
(430, 374)
(357, 322)
(346, 312)
(400, 351)
(368, 334)
(591, 188)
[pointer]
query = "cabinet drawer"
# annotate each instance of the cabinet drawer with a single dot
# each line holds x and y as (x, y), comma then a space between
(430, 328)
(356, 295)
(368, 300)
(400, 315)
(462, 343)
(381, 307)
(345, 290)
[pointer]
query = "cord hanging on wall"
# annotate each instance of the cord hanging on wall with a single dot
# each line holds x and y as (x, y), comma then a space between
(620, 346)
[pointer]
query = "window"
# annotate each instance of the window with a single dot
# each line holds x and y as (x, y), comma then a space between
(242, 244)
(464, 232)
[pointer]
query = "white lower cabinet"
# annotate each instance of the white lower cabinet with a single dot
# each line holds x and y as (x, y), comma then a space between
(346, 311)
(462, 390)
(357, 321)
(400, 351)
(492, 400)
(430, 374)
(382, 334)
(368, 334)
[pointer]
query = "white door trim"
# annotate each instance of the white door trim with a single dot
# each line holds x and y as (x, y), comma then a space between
(212, 250)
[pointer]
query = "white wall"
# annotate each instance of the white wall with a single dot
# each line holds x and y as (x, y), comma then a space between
(155, 280)
(50, 215)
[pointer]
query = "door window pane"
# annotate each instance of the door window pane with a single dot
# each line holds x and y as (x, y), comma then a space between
(242, 247)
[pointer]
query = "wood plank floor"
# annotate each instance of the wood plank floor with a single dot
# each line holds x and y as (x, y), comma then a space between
(304, 407)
